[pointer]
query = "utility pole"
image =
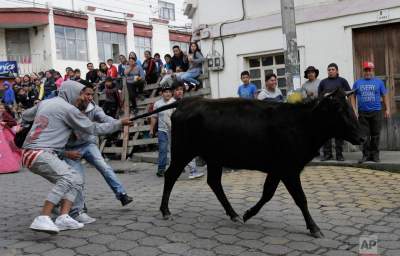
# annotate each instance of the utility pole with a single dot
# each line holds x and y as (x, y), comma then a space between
(292, 63)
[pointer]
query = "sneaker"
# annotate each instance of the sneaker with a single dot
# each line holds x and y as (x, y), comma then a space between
(195, 175)
(44, 223)
(65, 222)
(125, 199)
(84, 218)
(375, 158)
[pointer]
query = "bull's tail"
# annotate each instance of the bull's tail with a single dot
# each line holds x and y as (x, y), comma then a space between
(166, 107)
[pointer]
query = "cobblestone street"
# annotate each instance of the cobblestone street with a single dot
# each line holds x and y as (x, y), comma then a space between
(345, 202)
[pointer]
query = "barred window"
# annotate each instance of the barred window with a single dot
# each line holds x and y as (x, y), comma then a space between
(184, 46)
(71, 43)
(142, 44)
(110, 45)
(166, 10)
(260, 66)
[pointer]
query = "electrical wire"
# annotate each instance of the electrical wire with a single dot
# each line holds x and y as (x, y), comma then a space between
(228, 22)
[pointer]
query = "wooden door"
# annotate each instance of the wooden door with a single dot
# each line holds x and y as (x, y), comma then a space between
(381, 44)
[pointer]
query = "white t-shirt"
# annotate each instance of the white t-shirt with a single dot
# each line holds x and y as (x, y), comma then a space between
(164, 117)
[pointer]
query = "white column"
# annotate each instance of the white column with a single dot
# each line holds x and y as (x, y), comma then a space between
(51, 54)
(160, 38)
(130, 37)
(93, 53)
(3, 50)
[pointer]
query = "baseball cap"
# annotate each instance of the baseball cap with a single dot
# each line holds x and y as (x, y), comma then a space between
(368, 65)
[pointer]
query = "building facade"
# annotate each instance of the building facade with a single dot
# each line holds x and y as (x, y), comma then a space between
(57, 34)
(248, 35)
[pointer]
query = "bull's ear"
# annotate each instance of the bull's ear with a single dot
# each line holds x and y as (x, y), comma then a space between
(348, 93)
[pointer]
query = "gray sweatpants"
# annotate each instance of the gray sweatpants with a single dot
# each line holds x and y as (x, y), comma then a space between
(68, 182)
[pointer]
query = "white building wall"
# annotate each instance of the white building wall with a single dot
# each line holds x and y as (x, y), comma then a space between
(91, 35)
(40, 47)
(320, 42)
(3, 50)
(160, 32)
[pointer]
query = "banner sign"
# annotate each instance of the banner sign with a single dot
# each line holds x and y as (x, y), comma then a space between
(8, 69)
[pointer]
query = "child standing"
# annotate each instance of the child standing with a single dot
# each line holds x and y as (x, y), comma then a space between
(164, 127)
(179, 90)
(113, 100)
(247, 90)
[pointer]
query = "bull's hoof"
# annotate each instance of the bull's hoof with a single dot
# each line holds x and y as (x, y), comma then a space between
(247, 215)
(167, 216)
(317, 234)
(165, 213)
(237, 219)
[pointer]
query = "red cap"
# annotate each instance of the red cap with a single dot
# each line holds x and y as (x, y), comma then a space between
(368, 65)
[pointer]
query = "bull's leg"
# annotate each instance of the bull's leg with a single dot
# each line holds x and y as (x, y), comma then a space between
(171, 175)
(270, 185)
(293, 185)
(214, 174)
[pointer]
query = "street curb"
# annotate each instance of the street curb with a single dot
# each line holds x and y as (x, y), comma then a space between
(388, 167)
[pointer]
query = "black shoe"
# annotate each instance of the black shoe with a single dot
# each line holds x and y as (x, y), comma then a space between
(375, 158)
(125, 199)
(160, 173)
(363, 159)
(339, 157)
(326, 157)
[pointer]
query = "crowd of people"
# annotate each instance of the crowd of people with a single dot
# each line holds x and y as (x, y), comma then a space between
(369, 93)
(24, 92)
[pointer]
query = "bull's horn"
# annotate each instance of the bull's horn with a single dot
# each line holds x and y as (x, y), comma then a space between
(348, 93)
(326, 95)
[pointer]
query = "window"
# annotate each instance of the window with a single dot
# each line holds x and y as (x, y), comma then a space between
(260, 66)
(184, 46)
(71, 43)
(110, 45)
(166, 10)
(142, 44)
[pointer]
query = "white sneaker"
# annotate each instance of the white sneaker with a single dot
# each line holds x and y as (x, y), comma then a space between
(84, 218)
(196, 175)
(44, 223)
(65, 222)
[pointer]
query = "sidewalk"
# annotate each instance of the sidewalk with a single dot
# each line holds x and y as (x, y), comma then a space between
(390, 160)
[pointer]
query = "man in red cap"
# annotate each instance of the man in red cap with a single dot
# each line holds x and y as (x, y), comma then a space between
(367, 104)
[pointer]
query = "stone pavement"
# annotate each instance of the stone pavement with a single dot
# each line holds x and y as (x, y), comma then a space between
(345, 202)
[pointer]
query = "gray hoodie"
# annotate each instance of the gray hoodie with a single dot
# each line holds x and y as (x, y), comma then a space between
(54, 120)
(95, 114)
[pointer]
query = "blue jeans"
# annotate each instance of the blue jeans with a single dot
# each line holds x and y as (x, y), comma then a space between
(190, 75)
(91, 153)
(163, 149)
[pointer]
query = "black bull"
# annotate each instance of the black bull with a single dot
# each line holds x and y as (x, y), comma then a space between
(275, 138)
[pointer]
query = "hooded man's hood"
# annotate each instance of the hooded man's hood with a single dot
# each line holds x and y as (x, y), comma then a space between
(7, 84)
(70, 91)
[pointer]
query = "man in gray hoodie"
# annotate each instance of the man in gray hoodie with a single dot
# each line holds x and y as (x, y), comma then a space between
(53, 121)
(87, 147)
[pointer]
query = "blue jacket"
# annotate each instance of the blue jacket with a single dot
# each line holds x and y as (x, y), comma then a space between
(9, 95)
